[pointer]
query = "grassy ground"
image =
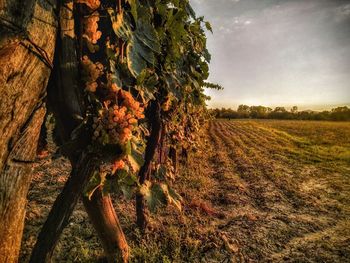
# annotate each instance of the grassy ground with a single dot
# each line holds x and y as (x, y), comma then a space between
(257, 191)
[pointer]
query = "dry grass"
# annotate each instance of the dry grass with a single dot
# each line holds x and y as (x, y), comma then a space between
(257, 191)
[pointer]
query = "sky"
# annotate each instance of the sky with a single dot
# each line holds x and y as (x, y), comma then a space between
(278, 52)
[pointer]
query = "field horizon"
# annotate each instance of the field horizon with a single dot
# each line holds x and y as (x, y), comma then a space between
(317, 107)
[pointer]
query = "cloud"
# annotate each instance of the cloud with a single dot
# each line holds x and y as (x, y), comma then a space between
(342, 13)
(279, 50)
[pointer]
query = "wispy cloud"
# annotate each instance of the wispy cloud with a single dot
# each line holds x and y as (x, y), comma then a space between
(280, 50)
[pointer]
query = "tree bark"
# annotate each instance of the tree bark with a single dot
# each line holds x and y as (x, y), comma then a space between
(26, 54)
(14, 183)
(105, 221)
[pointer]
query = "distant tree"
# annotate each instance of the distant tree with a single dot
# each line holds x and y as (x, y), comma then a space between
(322, 116)
(262, 112)
(280, 109)
(304, 115)
(243, 111)
(280, 113)
(340, 113)
(294, 109)
(258, 112)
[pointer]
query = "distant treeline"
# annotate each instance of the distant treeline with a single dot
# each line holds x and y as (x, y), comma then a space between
(262, 112)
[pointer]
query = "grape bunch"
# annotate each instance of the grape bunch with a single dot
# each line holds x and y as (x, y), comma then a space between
(132, 104)
(91, 32)
(91, 72)
(116, 122)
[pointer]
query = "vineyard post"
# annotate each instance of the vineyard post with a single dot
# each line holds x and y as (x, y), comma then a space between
(26, 54)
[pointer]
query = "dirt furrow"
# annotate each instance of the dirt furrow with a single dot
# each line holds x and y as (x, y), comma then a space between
(268, 164)
(285, 175)
(266, 194)
(285, 213)
(230, 182)
(287, 151)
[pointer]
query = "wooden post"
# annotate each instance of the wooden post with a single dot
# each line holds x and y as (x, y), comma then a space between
(26, 54)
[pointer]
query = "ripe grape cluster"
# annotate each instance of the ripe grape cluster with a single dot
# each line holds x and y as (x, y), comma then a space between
(117, 120)
(116, 123)
(92, 71)
(91, 32)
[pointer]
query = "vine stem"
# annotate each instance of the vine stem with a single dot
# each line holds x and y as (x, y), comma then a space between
(105, 220)
(63, 208)
(144, 173)
(121, 42)
(119, 6)
(121, 47)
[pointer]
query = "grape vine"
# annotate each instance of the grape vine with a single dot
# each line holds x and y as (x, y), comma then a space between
(138, 53)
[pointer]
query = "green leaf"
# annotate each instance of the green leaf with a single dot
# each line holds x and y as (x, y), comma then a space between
(175, 198)
(123, 182)
(127, 184)
(133, 5)
(92, 48)
(158, 194)
(137, 57)
(208, 26)
(105, 137)
(142, 76)
(146, 53)
(128, 191)
(147, 82)
(172, 85)
(135, 61)
(147, 35)
(97, 180)
(131, 180)
(120, 24)
(116, 19)
(127, 149)
(115, 76)
(190, 11)
(136, 160)
(154, 195)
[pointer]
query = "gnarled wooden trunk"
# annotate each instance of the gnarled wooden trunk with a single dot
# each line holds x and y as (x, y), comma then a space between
(27, 41)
